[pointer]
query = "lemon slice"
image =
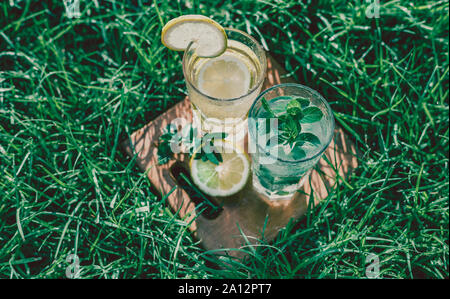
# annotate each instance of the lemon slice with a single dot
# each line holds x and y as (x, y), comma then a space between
(225, 179)
(218, 74)
(209, 36)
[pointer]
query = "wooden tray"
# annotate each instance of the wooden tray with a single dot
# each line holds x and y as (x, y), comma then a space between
(247, 211)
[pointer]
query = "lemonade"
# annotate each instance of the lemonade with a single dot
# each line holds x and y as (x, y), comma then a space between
(222, 89)
(215, 76)
(224, 71)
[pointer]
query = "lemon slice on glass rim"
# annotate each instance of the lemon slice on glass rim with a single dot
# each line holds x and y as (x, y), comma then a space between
(225, 179)
(210, 38)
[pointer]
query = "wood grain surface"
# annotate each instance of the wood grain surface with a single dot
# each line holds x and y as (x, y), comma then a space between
(246, 211)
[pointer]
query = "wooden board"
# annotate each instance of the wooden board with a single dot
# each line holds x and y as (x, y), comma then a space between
(248, 210)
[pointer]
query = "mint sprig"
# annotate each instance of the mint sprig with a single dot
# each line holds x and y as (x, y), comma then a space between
(165, 152)
(208, 151)
(188, 139)
(298, 112)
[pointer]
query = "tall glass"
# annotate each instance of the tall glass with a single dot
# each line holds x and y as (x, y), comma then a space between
(279, 170)
(222, 89)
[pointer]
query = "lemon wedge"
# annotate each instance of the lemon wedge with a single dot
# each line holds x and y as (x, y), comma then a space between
(225, 179)
(218, 74)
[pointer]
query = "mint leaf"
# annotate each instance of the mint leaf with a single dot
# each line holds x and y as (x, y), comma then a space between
(308, 137)
(298, 153)
(292, 127)
(269, 123)
(209, 137)
(272, 141)
(164, 151)
(282, 138)
(266, 107)
(166, 137)
(294, 107)
(212, 154)
(212, 157)
(208, 151)
(304, 102)
(311, 115)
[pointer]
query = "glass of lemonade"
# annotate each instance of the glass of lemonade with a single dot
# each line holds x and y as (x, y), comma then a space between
(279, 170)
(222, 89)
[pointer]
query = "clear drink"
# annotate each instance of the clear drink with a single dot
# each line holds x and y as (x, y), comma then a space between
(222, 89)
(279, 170)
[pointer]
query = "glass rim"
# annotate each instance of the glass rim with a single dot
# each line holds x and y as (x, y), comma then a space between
(259, 83)
(315, 93)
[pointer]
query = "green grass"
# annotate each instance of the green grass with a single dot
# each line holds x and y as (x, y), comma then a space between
(72, 89)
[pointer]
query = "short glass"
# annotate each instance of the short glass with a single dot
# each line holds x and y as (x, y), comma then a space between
(278, 172)
(222, 89)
